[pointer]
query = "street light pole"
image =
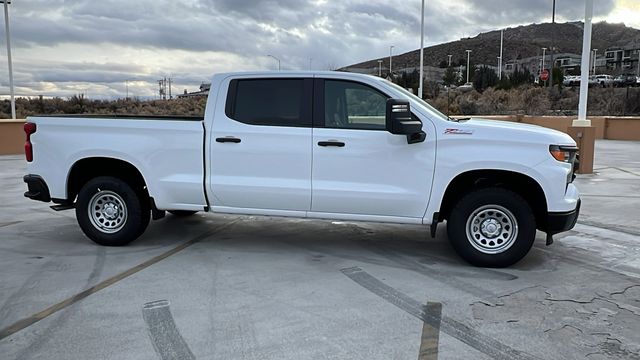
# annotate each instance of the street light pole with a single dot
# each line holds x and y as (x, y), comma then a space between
(584, 67)
(544, 53)
(468, 57)
(390, 59)
(278, 60)
(379, 68)
(421, 51)
(553, 41)
(500, 58)
(449, 59)
(595, 57)
(8, 34)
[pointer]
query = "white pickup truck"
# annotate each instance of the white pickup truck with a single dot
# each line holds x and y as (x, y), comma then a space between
(324, 145)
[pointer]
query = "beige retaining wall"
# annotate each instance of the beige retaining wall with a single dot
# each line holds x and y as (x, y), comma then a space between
(614, 128)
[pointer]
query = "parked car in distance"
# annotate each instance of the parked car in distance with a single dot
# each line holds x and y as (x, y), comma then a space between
(604, 80)
(625, 80)
(466, 87)
(571, 80)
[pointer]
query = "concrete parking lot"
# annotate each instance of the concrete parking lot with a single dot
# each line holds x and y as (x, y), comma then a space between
(239, 287)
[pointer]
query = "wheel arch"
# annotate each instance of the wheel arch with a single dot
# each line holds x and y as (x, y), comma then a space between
(88, 168)
(521, 184)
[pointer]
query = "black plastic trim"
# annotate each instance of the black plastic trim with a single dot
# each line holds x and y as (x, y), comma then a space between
(558, 222)
(37, 188)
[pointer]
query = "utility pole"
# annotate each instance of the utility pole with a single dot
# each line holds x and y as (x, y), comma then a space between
(126, 85)
(500, 58)
(468, 56)
(421, 52)
(379, 68)
(390, 59)
(8, 34)
(553, 41)
(169, 80)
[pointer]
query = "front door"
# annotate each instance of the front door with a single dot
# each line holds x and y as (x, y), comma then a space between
(358, 167)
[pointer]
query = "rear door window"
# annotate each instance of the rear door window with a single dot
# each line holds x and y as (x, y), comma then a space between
(271, 102)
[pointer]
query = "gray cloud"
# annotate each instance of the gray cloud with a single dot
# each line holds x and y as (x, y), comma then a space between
(332, 33)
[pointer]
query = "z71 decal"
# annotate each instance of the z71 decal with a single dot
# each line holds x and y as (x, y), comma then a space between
(452, 131)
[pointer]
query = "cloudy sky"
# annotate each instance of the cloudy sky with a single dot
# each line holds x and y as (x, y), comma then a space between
(66, 47)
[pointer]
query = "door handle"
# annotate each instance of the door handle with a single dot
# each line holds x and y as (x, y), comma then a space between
(228, 139)
(331, 143)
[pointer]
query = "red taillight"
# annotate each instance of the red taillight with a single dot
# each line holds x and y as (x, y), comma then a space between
(29, 128)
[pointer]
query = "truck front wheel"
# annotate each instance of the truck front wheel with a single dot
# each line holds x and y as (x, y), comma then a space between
(492, 227)
(110, 212)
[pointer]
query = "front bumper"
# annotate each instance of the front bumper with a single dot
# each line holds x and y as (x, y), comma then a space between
(38, 189)
(558, 222)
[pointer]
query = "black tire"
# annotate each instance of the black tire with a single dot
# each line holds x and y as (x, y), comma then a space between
(182, 213)
(130, 217)
(510, 244)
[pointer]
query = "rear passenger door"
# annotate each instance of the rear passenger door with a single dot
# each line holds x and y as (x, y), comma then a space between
(261, 145)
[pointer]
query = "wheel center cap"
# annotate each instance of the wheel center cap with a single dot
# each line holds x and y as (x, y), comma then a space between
(110, 210)
(490, 228)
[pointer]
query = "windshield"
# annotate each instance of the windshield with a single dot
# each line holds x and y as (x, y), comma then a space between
(430, 109)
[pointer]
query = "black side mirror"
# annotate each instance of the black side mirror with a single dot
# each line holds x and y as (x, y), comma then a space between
(400, 122)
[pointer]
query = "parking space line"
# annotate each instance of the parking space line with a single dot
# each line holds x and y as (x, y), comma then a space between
(163, 332)
(430, 332)
(28, 321)
(487, 345)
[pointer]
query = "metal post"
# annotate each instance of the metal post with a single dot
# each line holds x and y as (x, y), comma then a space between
(449, 59)
(553, 41)
(390, 59)
(380, 68)
(468, 56)
(584, 67)
(421, 51)
(595, 56)
(544, 52)
(500, 58)
(8, 34)
(278, 60)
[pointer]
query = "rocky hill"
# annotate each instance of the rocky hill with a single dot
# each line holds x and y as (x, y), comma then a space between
(519, 42)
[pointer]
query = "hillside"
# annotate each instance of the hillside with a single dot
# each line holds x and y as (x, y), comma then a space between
(519, 42)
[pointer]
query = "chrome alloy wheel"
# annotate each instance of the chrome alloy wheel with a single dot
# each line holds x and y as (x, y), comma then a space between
(492, 229)
(107, 211)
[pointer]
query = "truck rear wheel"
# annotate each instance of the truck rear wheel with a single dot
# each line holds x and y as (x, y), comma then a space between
(110, 212)
(492, 227)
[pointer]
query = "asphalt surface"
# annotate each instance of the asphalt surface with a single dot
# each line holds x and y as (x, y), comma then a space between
(239, 287)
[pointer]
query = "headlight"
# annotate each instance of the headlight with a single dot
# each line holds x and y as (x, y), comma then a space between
(563, 153)
(566, 154)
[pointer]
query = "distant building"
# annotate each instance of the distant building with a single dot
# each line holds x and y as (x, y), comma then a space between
(204, 91)
(625, 58)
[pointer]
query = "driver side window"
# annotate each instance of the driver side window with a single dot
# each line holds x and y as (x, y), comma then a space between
(350, 105)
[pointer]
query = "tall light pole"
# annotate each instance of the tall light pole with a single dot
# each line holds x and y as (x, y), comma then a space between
(449, 59)
(553, 41)
(390, 58)
(278, 60)
(380, 68)
(421, 51)
(468, 56)
(500, 58)
(8, 34)
(584, 67)
(544, 54)
(595, 57)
